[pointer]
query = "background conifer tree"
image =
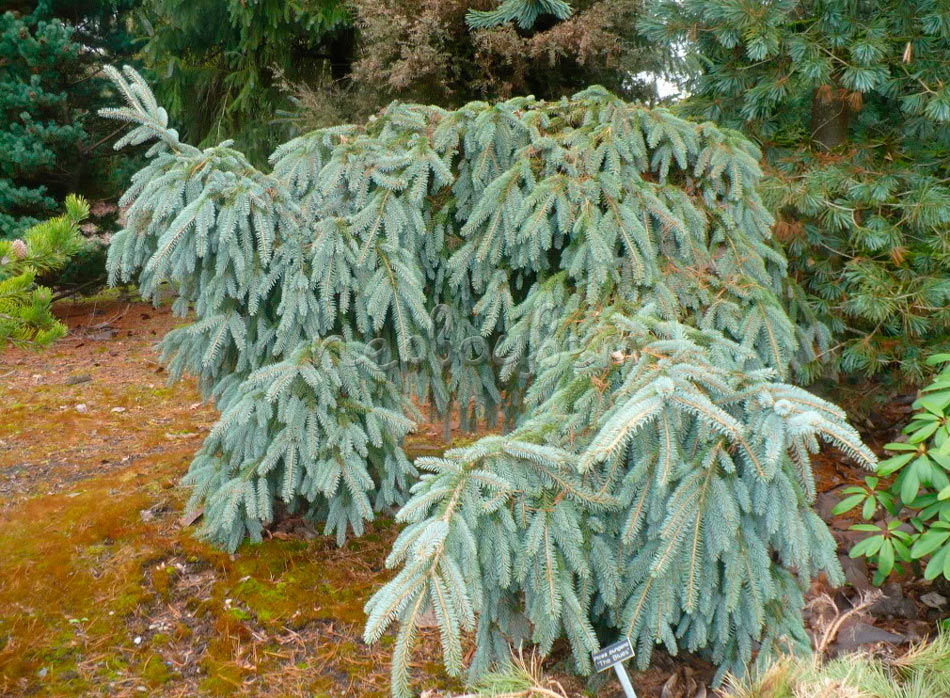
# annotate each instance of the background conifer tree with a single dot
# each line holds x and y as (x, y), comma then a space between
(221, 61)
(448, 52)
(41, 131)
(615, 260)
(851, 104)
(51, 141)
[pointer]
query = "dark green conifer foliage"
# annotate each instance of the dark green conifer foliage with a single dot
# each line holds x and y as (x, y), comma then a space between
(51, 141)
(851, 103)
(217, 61)
(107, 27)
(617, 263)
(41, 132)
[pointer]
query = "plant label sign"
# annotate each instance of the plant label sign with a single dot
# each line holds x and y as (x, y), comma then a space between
(612, 654)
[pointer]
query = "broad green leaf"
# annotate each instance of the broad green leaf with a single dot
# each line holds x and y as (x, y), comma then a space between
(935, 402)
(923, 433)
(942, 459)
(885, 560)
(867, 547)
(848, 503)
(928, 542)
(938, 564)
(923, 418)
(893, 464)
(870, 506)
(900, 446)
(910, 484)
(901, 548)
(938, 478)
(889, 502)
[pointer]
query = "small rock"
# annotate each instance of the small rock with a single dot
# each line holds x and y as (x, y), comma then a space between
(859, 633)
(153, 511)
(102, 335)
(42, 672)
(191, 516)
(118, 409)
(824, 503)
(934, 600)
(82, 408)
(137, 640)
(856, 572)
(893, 604)
(77, 379)
(306, 531)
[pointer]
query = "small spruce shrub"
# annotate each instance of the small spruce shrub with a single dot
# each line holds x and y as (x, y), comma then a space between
(600, 272)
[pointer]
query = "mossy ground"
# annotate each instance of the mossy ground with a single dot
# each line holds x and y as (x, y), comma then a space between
(103, 591)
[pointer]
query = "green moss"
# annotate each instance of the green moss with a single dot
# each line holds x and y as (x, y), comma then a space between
(162, 580)
(223, 677)
(154, 671)
(59, 606)
(88, 556)
(239, 613)
(116, 664)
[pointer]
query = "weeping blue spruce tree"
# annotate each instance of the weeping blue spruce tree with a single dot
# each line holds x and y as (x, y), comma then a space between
(600, 272)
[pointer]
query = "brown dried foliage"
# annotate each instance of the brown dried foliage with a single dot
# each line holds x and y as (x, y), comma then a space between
(423, 50)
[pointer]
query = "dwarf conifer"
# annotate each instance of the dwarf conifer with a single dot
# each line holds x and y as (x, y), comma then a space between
(601, 271)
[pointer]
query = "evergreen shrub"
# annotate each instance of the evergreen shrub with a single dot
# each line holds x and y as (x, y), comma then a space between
(26, 318)
(601, 272)
(907, 502)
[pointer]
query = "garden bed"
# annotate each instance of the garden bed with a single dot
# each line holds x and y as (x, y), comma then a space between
(106, 591)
